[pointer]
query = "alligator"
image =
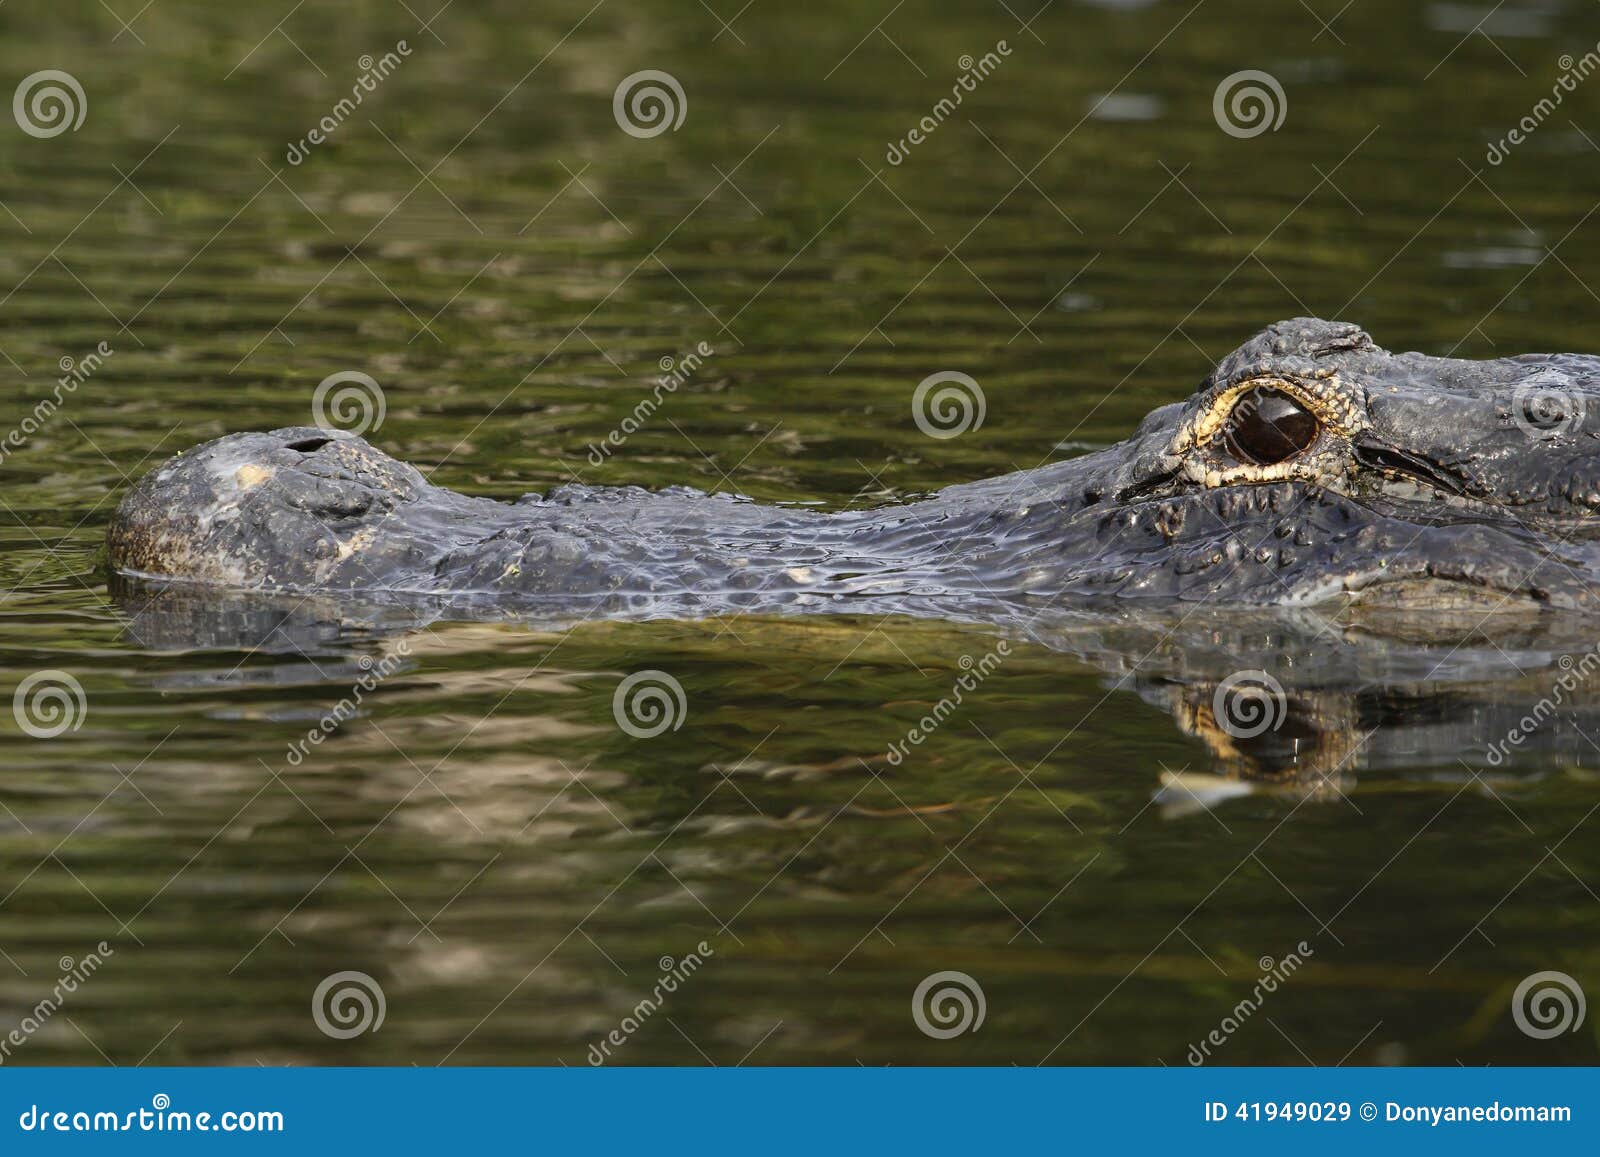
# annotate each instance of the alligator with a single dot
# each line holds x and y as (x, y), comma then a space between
(1310, 467)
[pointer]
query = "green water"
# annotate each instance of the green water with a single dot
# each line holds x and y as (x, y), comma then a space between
(482, 239)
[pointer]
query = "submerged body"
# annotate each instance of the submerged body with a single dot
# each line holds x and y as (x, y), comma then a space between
(1311, 466)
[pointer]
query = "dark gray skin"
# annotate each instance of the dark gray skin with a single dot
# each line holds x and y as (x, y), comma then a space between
(1430, 484)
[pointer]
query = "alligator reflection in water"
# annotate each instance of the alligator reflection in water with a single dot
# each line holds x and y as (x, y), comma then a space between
(1298, 701)
(1306, 701)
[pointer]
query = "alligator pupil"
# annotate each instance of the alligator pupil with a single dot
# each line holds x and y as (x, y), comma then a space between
(1267, 426)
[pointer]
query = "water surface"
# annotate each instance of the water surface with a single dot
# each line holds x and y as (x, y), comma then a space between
(481, 838)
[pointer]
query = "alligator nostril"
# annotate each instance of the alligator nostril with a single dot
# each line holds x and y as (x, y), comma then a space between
(307, 445)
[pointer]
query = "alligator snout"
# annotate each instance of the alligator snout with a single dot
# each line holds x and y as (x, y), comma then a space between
(258, 510)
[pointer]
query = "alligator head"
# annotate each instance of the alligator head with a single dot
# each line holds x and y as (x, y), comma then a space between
(1311, 466)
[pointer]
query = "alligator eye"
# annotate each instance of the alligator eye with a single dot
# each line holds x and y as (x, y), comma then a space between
(1268, 426)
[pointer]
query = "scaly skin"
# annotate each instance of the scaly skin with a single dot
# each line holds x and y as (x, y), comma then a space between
(1421, 490)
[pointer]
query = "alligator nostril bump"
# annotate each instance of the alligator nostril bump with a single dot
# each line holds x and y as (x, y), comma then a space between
(307, 445)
